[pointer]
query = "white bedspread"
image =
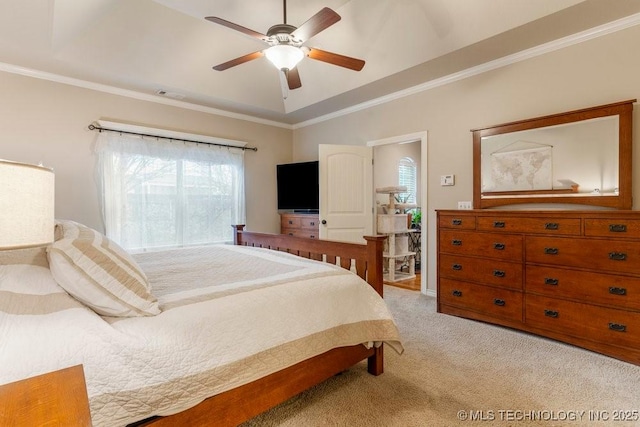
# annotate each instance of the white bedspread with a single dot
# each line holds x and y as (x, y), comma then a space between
(229, 315)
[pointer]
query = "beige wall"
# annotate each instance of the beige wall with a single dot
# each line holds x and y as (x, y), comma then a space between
(596, 72)
(43, 121)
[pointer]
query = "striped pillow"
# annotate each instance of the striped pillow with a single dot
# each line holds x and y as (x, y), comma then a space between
(99, 273)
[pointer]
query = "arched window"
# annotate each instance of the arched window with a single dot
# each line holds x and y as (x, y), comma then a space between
(407, 176)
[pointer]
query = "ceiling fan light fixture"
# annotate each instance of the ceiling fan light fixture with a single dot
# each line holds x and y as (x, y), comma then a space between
(284, 57)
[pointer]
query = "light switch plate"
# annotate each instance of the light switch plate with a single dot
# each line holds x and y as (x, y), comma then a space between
(465, 206)
(446, 180)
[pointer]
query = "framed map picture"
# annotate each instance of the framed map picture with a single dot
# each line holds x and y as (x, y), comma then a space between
(522, 170)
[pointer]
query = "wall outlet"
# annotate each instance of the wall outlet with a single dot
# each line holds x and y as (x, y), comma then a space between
(447, 179)
(465, 205)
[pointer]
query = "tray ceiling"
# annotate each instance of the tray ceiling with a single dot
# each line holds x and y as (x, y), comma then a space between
(152, 45)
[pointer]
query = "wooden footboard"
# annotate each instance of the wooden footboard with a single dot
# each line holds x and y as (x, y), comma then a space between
(240, 404)
(366, 260)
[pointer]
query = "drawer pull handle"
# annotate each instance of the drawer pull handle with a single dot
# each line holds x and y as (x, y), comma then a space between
(456, 222)
(498, 224)
(551, 313)
(456, 267)
(551, 226)
(290, 222)
(550, 281)
(499, 302)
(617, 291)
(499, 273)
(551, 251)
(618, 327)
(456, 293)
(617, 228)
(290, 234)
(617, 256)
(499, 246)
(312, 223)
(456, 242)
(312, 236)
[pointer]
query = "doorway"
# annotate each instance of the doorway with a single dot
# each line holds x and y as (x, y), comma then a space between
(402, 160)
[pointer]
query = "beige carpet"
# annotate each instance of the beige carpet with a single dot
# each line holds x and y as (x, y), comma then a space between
(498, 376)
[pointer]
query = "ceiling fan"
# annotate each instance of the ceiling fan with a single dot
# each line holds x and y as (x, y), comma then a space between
(286, 45)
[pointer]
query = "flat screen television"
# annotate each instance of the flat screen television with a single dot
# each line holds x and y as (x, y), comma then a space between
(298, 187)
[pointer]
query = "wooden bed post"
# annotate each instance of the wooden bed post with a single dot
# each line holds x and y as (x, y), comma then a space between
(374, 258)
(375, 363)
(237, 236)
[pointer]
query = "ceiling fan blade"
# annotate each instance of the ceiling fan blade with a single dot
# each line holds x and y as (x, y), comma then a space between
(238, 61)
(336, 59)
(318, 22)
(240, 28)
(293, 78)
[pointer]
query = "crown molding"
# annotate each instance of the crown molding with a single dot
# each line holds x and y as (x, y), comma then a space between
(592, 33)
(43, 75)
(602, 30)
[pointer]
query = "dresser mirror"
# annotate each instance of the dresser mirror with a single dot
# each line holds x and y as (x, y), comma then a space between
(579, 157)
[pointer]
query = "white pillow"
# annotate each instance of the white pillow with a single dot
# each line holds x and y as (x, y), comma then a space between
(99, 273)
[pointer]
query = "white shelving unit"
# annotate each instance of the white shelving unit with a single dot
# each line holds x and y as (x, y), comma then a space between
(395, 227)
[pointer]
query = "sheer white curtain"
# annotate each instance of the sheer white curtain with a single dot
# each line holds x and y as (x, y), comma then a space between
(159, 193)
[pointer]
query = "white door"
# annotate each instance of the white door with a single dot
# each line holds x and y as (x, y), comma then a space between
(346, 192)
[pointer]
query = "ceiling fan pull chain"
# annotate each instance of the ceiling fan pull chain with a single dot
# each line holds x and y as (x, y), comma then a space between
(284, 84)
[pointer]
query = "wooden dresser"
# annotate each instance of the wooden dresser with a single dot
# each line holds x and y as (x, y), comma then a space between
(300, 225)
(573, 276)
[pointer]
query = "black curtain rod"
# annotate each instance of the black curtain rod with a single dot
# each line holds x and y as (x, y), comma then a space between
(100, 129)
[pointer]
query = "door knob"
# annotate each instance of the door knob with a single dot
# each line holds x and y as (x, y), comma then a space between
(324, 222)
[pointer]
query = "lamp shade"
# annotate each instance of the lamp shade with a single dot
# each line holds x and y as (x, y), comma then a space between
(26, 205)
(283, 56)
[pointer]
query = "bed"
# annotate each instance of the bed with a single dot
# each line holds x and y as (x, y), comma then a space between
(251, 325)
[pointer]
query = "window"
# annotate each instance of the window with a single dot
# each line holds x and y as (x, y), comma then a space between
(161, 193)
(407, 176)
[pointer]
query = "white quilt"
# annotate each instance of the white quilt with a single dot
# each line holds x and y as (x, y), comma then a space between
(229, 315)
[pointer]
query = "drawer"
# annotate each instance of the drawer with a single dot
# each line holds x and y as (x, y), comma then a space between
(310, 222)
(463, 222)
(611, 227)
(595, 254)
(585, 286)
(492, 245)
(290, 222)
(502, 303)
(298, 232)
(600, 324)
(487, 271)
(550, 225)
(290, 231)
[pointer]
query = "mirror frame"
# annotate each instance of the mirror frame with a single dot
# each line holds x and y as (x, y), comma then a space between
(624, 111)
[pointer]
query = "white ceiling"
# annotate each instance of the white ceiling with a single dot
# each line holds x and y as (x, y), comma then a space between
(148, 45)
